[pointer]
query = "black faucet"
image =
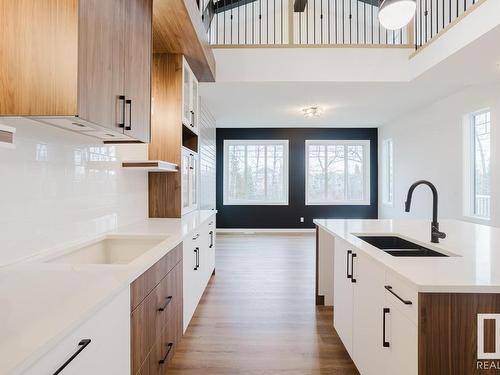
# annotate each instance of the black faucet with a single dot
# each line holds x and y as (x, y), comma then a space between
(435, 233)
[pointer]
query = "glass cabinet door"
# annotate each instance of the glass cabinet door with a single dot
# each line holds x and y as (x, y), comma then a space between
(186, 95)
(195, 103)
(186, 160)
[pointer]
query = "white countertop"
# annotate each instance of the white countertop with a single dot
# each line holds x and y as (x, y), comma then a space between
(474, 266)
(42, 302)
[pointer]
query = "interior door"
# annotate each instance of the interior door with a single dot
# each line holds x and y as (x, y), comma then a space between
(342, 294)
(101, 62)
(138, 59)
(368, 303)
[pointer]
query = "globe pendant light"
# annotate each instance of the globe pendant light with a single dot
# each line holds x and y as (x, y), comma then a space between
(395, 14)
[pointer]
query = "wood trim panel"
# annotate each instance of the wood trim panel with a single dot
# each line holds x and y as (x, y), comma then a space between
(447, 327)
(178, 28)
(39, 58)
(145, 283)
(166, 135)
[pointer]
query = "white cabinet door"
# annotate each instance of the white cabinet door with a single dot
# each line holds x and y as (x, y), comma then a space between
(191, 276)
(186, 94)
(189, 170)
(195, 103)
(194, 181)
(368, 304)
(343, 293)
(185, 165)
(108, 351)
(401, 334)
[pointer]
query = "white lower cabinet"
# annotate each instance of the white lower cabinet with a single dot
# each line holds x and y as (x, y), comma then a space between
(372, 322)
(343, 293)
(107, 352)
(199, 264)
(368, 351)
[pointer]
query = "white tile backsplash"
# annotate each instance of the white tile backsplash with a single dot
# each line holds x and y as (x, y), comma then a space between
(57, 187)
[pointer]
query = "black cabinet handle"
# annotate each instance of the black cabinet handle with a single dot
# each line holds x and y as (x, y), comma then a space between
(211, 239)
(129, 102)
(170, 345)
(196, 236)
(196, 258)
(389, 288)
(169, 299)
(192, 119)
(348, 275)
(385, 343)
(121, 98)
(82, 345)
(353, 255)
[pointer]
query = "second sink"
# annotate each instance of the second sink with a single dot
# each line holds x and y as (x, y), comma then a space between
(399, 247)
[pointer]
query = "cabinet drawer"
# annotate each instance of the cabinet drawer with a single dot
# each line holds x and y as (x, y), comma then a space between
(397, 287)
(165, 346)
(154, 313)
(145, 283)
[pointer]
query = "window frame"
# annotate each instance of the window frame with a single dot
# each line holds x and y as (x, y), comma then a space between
(387, 168)
(469, 167)
(264, 142)
(366, 171)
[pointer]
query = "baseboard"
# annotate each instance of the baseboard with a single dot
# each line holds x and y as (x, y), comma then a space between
(264, 230)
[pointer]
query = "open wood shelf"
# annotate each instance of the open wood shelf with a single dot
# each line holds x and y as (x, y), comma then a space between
(150, 165)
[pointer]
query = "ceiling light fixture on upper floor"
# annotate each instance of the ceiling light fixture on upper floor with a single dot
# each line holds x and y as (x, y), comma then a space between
(311, 112)
(395, 14)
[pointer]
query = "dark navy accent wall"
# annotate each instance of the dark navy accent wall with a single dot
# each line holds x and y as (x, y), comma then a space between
(289, 216)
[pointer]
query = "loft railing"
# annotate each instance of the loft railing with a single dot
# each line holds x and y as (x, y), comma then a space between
(434, 16)
(324, 22)
(301, 22)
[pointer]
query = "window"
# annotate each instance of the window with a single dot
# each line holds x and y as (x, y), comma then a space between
(255, 172)
(337, 172)
(478, 179)
(387, 173)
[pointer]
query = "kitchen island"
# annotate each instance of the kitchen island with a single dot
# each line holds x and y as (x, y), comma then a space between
(409, 315)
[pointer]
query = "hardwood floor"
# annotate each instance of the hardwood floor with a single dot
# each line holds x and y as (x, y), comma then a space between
(258, 314)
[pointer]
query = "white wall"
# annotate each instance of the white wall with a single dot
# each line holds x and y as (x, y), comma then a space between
(57, 186)
(428, 144)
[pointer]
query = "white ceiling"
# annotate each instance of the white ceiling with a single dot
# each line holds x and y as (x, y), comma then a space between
(351, 104)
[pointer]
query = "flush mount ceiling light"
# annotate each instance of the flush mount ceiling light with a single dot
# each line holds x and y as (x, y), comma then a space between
(395, 14)
(311, 112)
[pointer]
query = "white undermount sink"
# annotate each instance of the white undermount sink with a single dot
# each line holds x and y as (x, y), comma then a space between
(108, 251)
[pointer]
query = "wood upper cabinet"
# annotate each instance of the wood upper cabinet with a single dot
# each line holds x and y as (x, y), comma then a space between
(101, 62)
(138, 60)
(85, 58)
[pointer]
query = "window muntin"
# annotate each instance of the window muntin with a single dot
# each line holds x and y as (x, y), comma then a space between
(337, 172)
(256, 172)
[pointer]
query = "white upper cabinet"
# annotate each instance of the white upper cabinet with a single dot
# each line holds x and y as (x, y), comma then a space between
(189, 169)
(190, 98)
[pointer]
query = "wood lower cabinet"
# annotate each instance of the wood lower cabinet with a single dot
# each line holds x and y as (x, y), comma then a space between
(84, 60)
(157, 314)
